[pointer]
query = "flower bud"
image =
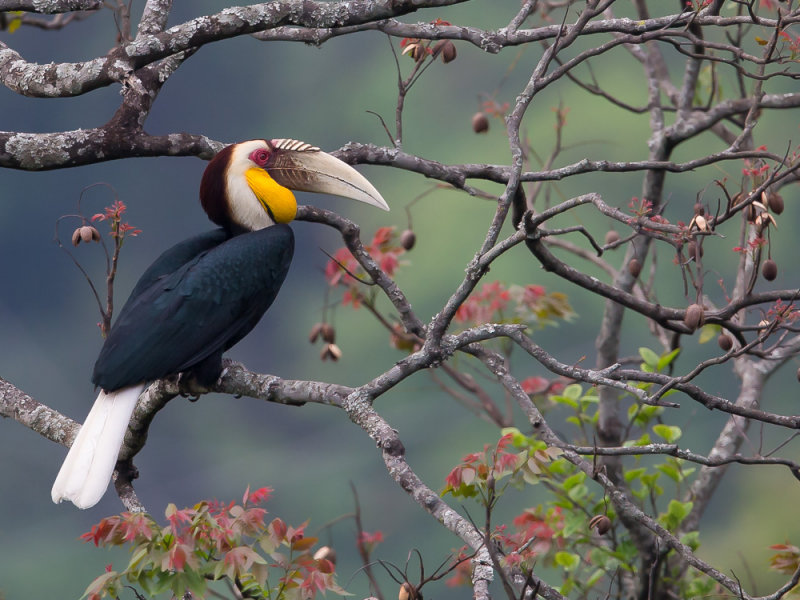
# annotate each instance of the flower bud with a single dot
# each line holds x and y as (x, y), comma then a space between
(612, 237)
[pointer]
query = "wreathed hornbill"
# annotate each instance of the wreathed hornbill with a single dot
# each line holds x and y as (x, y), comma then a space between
(203, 295)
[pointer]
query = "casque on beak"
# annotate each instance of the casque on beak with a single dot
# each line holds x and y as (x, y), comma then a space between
(305, 168)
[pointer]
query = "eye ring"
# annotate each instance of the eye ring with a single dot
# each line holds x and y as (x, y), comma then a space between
(260, 156)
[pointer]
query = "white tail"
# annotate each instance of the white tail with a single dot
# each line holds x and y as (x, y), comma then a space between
(86, 471)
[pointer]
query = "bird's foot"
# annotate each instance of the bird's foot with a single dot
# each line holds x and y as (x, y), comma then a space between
(190, 387)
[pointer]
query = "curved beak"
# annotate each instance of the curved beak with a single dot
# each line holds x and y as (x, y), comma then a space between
(301, 167)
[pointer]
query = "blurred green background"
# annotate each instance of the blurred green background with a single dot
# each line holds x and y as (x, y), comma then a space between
(240, 89)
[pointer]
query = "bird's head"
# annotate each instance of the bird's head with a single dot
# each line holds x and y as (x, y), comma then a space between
(249, 185)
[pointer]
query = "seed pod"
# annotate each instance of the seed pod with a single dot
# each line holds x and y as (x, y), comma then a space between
(76, 237)
(331, 351)
(694, 316)
(600, 523)
(446, 49)
(695, 250)
(415, 50)
(407, 592)
(407, 239)
(634, 267)
(326, 553)
(86, 234)
(775, 203)
(480, 123)
(316, 330)
(612, 237)
(769, 269)
(725, 341)
(328, 333)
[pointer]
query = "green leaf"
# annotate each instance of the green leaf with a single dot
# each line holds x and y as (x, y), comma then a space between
(558, 399)
(14, 24)
(573, 480)
(649, 357)
(578, 492)
(691, 539)
(632, 474)
(666, 359)
(567, 560)
(676, 513)
(573, 391)
(671, 433)
(680, 510)
(709, 332)
(517, 437)
(670, 471)
(595, 577)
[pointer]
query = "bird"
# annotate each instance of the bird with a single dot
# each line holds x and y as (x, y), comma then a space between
(203, 295)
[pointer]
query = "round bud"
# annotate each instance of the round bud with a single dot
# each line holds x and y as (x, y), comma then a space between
(612, 237)
(725, 342)
(769, 269)
(699, 209)
(634, 267)
(694, 316)
(775, 203)
(600, 523)
(407, 239)
(480, 123)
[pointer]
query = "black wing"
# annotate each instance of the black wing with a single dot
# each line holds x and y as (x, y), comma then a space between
(199, 310)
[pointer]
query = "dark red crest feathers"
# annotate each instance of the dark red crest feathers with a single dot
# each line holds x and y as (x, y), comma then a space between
(212, 187)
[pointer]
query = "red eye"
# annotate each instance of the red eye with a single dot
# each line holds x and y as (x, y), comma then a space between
(260, 156)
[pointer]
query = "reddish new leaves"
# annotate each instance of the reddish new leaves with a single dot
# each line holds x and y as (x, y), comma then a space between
(212, 541)
(343, 269)
(496, 302)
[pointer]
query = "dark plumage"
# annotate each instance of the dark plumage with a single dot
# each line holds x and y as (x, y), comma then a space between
(208, 292)
(203, 295)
